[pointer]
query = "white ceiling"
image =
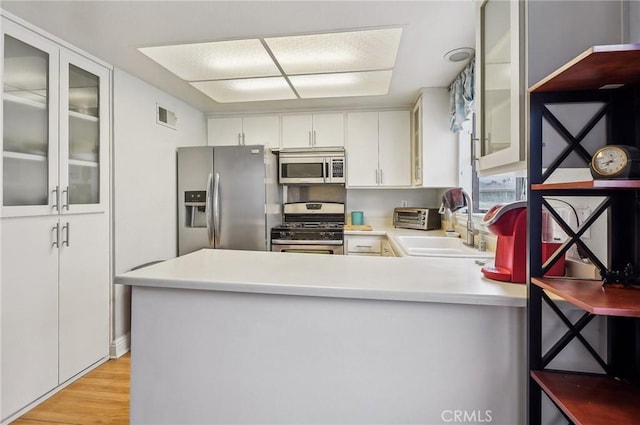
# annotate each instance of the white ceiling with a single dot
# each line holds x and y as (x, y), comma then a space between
(113, 30)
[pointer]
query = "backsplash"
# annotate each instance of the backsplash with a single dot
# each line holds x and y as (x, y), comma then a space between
(379, 203)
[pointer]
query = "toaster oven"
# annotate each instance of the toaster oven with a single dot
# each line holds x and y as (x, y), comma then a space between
(417, 218)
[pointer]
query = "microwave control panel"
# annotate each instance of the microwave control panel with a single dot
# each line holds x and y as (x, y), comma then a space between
(337, 167)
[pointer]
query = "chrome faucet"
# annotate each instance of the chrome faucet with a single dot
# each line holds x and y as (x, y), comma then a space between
(455, 199)
(470, 236)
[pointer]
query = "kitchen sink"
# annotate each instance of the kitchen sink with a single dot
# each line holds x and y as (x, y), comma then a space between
(435, 246)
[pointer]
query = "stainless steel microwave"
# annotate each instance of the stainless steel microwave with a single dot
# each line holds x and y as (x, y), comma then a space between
(315, 166)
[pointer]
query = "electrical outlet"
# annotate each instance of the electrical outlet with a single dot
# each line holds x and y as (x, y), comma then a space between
(404, 203)
(584, 214)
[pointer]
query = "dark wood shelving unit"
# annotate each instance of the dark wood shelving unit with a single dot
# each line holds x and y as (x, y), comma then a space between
(607, 75)
(596, 67)
(588, 399)
(592, 296)
(589, 185)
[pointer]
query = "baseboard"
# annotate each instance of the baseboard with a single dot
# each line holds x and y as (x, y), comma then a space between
(120, 346)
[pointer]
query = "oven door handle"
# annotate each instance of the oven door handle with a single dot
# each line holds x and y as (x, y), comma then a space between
(299, 242)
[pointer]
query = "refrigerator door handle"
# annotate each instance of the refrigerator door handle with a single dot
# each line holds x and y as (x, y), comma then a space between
(216, 209)
(209, 209)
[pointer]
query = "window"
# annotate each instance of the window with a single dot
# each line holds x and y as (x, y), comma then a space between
(498, 190)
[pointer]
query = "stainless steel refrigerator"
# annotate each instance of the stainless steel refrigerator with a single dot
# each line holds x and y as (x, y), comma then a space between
(228, 197)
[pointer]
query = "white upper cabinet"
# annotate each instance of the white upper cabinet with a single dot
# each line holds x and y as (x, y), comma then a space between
(250, 130)
(84, 134)
(378, 149)
(313, 130)
(224, 131)
(362, 149)
(434, 147)
(55, 128)
(500, 87)
(394, 148)
(30, 123)
(555, 33)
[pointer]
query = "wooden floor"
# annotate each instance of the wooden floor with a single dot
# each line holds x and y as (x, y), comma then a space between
(99, 397)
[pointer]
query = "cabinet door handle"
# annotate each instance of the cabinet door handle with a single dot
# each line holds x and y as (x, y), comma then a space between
(364, 246)
(314, 138)
(381, 176)
(310, 140)
(56, 241)
(65, 206)
(377, 178)
(239, 139)
(56, 204)
(243, 141)
(65, 229)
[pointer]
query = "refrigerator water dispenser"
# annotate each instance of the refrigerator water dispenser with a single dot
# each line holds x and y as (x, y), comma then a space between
(195, 206)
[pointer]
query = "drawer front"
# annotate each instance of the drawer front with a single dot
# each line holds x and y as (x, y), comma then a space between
(364, 245)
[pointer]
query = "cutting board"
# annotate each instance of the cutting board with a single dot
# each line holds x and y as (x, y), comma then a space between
(357, 227)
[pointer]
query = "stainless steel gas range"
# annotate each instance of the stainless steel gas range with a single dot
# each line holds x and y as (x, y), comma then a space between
(310, 227)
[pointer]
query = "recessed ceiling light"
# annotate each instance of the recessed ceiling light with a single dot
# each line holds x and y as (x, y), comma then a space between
(336, 52)
(246, 90)
(351, 63)
(371, 83)
(459, 55)
(215, 60)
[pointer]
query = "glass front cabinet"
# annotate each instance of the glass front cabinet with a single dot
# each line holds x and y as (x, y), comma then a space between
(55, 127)
(500, 87)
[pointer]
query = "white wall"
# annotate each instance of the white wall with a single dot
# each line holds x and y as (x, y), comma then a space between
(634, 21)
(559, 31)
(144, 183)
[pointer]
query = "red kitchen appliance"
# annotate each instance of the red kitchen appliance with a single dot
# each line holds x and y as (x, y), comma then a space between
(509, 223)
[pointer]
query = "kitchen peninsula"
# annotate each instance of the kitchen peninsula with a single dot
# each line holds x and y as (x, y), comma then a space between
(224, 336)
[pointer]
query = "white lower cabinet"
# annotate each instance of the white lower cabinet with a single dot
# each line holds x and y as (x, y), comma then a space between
(386, 250)
(84, 293)
(363, 245)
(368, 245)
(29, 307)
(55, 303)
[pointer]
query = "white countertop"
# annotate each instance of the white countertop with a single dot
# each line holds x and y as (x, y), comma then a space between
(419, 279)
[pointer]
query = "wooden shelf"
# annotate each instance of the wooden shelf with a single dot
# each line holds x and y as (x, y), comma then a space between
(589, 185)
(591, 399)
(591, 296)
(595, 68)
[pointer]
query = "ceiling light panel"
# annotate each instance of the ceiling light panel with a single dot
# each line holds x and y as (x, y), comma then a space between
(246, 90)
(215, 60)
(336, 52)
(371, 83)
